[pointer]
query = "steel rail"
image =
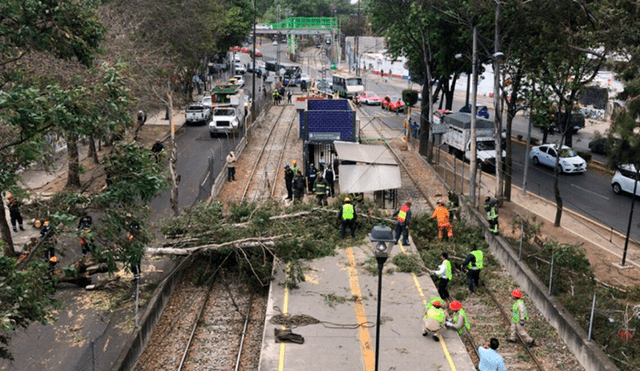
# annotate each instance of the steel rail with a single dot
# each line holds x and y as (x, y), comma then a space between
(195, 323)
(504, 314)
(284, 146)
(244, 332)
(275, 123)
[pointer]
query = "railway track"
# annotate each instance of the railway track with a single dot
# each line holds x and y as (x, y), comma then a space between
(493, 311)
(263, 176)
(216, 326)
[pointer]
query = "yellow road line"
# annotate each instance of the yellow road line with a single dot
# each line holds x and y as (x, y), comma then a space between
(285, 308)
(368, 357)
(442, 342)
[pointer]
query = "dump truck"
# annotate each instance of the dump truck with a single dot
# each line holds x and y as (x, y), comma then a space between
(228, 110)
(458, 138)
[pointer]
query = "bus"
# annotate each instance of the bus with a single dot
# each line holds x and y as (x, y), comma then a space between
(347, 85)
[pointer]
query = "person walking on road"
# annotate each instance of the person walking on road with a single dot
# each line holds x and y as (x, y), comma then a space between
(519, 318)
(441, 215)
(312, 174)
(288, 181)
(490, 360)
(348, 217)
(490, 206)
(299, 187)
(321, 190)
(231, 166)
(433, 321)
(14, 212)
(474, 263)
(445, 275)
(459, 321)
(403, 219)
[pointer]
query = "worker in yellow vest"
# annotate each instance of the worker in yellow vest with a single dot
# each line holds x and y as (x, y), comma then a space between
(519, 318)
(445, 274)
(433, 320)
(348, 218)
(459, 321)
(403, 219)
(474, 263)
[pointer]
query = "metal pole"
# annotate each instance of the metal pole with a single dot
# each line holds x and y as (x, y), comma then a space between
(496, 103)
(479, 186)
(381, 260)
(633, 201)
(93, 357)
(455, 163)
(551, 274)
(593, 311)
(137, 298)
(253, 77)
(466, 99)
(474, 95)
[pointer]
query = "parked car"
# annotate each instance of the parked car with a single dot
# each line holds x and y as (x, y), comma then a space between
(239, 67)
(481, 111)
(393, 104)
(439, 115)
(558, 120)
(239, 80)
(206, 101)
(624, 180)
(197, 113)
(569, 162)
(371, 98)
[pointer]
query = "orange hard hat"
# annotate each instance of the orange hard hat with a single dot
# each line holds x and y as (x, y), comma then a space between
(455, 305)
(46, 223)
(516, 293)
(9, 196)
(53, 259)
(294, 162)
(437, 304)
(347, 199)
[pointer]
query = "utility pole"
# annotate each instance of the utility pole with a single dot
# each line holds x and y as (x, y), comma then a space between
(253, 76)
(496, 102)
(358, 42)
(473, 160)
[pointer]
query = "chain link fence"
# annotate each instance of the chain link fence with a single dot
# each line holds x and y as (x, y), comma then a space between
(95, 357)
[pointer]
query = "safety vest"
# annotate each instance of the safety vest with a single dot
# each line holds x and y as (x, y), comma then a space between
(295, 169)
(435, 313)
(491, 211)
(447, 271)
(478, 264)
(347, 211)
(402, 214)
(320, 188)
(515, 314)
(464, 316)
(442, 216)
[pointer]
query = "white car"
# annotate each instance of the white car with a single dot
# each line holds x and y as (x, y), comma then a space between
(239, 80)
(569, 162)
(624, 180)
(206, 101)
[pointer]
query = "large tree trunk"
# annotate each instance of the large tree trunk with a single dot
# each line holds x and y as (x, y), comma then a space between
(512, 109)
(93, 151)
(6, 233)
(73, 178)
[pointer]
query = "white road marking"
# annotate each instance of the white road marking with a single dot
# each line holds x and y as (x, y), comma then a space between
(586, 190)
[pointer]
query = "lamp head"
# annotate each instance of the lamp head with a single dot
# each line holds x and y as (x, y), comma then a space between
(458, 56)
(498, 56)
(381, 235)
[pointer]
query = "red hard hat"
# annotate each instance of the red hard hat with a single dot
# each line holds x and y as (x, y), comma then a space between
(455, 305)
(516, 293)
(436, 304)
(53, 259)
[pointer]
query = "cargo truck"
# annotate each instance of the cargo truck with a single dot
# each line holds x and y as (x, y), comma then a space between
(458, 138)
(228, 110)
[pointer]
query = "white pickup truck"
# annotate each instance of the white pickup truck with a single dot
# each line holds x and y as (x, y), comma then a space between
(197, 113)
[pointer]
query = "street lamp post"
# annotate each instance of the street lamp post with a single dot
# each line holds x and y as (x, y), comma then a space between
(382, 236)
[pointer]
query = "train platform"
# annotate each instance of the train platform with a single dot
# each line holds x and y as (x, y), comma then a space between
(341, 293)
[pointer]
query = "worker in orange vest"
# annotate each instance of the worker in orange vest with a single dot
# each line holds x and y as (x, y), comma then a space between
(403, 219)
(441, 214)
